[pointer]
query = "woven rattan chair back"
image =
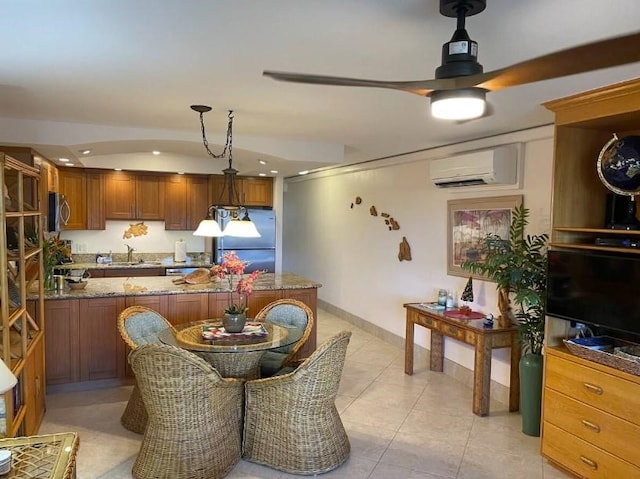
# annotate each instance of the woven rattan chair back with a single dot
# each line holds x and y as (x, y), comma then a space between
(139, 325)
(195, 415)
(289, 313)
(291, 421)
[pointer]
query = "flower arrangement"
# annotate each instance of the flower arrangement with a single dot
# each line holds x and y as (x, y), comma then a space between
(232, 266)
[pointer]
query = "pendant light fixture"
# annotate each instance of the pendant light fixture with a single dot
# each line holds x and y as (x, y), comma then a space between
(228, 205)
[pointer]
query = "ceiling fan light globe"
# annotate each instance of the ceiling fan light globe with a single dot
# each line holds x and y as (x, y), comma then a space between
(458, 104)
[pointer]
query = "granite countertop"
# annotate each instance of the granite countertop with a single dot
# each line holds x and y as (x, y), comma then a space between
(158, 285)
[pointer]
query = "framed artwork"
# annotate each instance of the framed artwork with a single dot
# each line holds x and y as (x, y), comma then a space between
(469, 221)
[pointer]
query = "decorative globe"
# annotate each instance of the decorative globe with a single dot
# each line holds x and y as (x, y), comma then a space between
(619, 165)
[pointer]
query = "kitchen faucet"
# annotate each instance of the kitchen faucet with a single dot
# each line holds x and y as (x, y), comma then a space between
(130, 251)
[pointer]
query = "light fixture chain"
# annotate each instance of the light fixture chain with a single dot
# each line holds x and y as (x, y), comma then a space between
(228, 144)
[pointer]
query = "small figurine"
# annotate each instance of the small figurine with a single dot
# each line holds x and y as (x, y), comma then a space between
(488, 321)
(467, 294)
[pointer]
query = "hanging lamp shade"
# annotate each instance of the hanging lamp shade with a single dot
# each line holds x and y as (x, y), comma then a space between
(209, 226)
(241, 228)
(7, 379)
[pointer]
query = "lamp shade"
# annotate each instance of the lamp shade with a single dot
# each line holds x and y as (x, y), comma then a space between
(241, 228)
(464, 104)
(7, 379)
(208, 227)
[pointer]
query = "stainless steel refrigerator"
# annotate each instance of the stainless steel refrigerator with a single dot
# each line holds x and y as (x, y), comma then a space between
(259, 252)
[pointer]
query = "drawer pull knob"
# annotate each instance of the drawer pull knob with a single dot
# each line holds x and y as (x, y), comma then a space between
(592, 464)
(593, 388)
(591, 425)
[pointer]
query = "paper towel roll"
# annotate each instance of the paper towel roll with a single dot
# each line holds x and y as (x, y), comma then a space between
(180, 252)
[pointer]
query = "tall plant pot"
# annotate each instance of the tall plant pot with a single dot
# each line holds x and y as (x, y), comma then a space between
(531, 393)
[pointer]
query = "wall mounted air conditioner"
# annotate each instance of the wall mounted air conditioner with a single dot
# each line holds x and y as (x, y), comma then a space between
(497, 166)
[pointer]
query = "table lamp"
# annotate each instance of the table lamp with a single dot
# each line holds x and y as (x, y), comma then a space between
(7, 379)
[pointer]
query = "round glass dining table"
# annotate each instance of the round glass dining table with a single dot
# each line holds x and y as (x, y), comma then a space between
(233, 355)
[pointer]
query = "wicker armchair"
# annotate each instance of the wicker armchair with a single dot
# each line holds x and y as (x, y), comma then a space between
(195, 415)
(291, 421)
(139, 325)
(289, 313)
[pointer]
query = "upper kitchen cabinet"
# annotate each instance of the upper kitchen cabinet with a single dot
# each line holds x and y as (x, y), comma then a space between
(83, 198)
(73, 188)
(134, 196)
(186, 201)
(252, 191)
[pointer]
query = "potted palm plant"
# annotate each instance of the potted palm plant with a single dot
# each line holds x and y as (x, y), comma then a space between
(518, 265)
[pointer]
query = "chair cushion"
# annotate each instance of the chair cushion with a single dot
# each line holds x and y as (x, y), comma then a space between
(271, 363)
(143, 328)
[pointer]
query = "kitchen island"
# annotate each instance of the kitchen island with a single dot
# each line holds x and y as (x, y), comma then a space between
(84, 348)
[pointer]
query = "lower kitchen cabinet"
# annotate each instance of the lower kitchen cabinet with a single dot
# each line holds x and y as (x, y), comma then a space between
(99, 338)
(62, 349)
(185, 308)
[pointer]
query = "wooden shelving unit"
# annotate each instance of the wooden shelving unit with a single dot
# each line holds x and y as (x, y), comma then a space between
(22, 343)
(583, 125)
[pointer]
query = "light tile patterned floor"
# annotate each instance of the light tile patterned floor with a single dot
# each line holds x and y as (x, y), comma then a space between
(401, 427)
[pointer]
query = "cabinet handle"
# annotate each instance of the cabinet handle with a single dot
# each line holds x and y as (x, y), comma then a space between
(65, 211)
(591, 425)
(593, 388)
(592, 464)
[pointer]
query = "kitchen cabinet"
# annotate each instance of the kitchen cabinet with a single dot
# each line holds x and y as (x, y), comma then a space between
(102, 351)
(96, 200)
(73, 188)
(62, 342)
(22, 328)
(252, 191)
(186, 201)
(589, 410)
(185, 308)
(132, 196)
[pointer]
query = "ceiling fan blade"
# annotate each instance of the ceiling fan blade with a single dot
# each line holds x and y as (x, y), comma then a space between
(584, 58)
(421, 88)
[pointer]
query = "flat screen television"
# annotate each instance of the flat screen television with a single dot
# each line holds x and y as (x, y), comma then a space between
(595, 288)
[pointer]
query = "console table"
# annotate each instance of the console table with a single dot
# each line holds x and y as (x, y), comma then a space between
(469, 331)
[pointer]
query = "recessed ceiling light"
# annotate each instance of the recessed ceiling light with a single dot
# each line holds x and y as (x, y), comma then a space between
(181, 172)
(304, 172)
(118, 169)
(64, 160)
(262, 174)
(274, 172)
(262, 162)
(85, 152)
(155, 152)
(68, 164)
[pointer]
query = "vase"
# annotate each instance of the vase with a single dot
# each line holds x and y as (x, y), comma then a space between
(531, 393)
(234, 323)
(49, 280)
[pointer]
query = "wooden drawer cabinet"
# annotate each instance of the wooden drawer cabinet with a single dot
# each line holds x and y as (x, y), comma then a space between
(590, 421)
(582, 458)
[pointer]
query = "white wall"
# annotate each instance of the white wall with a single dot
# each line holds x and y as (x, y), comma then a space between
(354, 255)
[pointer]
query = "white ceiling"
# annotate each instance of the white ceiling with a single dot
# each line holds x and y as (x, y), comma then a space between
(118, 76)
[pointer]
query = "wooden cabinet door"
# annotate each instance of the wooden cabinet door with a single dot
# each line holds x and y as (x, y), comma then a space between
(73, 186)
(259, 299)
(102, 353)
(131, 272)
(120, 196)
(197, 201)
(95, 201)
(219, 194)
(149, 197)
(185, 308)
(62, 351)
(34, 389)
(257, 191)
(175, 196)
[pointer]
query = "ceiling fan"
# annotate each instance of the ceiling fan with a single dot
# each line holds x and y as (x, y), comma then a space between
(460, 86)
